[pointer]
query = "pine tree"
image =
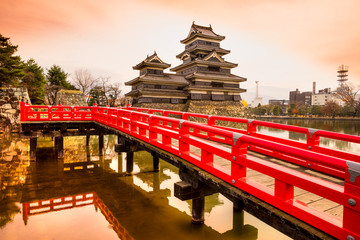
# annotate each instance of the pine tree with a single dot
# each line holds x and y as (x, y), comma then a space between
(11, 67)
(34, 80)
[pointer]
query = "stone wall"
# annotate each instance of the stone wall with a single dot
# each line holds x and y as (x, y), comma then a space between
(165, 106)
(220, 108)
(10, 99)
(70, 98)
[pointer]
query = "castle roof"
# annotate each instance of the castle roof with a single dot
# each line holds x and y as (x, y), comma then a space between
(203, 48)
(166, 79)
(201, 31)
(204, 62)
(152, 61)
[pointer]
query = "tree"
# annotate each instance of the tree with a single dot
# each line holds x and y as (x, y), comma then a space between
(276, 110)
(84, 80)
(56, 76)
(304, 109)
(317, 110)
(56, 80)
(331, 108)
(113, 92)
(347, 93)
(34, 80)
(291, 109)
(11, 67)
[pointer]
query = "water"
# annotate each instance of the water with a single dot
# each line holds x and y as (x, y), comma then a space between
(103, 203)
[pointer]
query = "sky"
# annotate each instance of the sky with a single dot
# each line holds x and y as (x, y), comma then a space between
(283, 44)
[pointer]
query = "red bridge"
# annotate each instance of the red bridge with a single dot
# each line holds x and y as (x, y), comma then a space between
(225, 152)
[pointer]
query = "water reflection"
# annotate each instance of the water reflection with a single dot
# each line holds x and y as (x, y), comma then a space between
(87, 195)
(346, 127)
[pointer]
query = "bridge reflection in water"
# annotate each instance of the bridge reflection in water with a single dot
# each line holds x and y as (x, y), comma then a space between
(54, 185)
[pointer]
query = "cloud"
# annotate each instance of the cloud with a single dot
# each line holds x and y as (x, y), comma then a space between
(24, 17)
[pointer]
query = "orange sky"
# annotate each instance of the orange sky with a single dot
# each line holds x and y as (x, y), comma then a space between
(281, 43)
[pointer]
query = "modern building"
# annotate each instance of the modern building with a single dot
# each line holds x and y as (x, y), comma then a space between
(203, 75)
(300, 98)
(323, 96)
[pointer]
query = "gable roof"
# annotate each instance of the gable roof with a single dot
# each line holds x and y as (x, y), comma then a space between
(201, 31)
(152, 61)
(213, 55)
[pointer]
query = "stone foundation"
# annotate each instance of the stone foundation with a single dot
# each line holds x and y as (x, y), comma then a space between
(70, 98)
(164, 106)
(220, 108)
(10, 99)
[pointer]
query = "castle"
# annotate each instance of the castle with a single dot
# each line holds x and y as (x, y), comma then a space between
(203, 75)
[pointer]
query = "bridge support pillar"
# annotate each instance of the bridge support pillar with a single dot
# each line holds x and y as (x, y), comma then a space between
(129, 162)
(33, 143)
(238, 216)
(198, 206)
(185, 191)
(59, 145)
(156, 162)
(87, 140)
(120, 163)
(101, 145)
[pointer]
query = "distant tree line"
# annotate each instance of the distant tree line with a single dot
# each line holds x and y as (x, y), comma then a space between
(346, 93)
(44, 87)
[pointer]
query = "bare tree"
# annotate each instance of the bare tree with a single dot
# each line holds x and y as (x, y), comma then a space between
(51, 93)
(347, 93)
(113, 94)
(84, 80)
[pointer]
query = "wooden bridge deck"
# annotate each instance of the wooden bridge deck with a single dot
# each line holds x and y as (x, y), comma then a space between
(317, 202)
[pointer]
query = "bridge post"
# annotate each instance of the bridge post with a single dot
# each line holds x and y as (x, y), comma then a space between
(238, 215)
(33, 143)
(120, 165)
(198, 206)
(129, 162)
(101, 145)
(156, 182)
(87, 140)
(59, 145)
(351, 213)
(156, 162)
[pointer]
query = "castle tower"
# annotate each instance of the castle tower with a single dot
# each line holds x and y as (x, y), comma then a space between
(208, 74)
(155, 86)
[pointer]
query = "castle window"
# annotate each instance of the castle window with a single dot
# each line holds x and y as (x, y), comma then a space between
(214, 69)
(217, 84)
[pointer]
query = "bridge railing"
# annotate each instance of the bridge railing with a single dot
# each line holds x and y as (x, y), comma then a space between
(188, 140)
(182, 142)
(250, 128)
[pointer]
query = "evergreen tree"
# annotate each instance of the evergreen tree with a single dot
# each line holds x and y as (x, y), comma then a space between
(56, 80)
(34, 81)
(57, 76)
(11, 67)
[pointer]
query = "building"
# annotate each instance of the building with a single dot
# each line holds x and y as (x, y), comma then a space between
(300, 98)
(323, 96)
(203, 75)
